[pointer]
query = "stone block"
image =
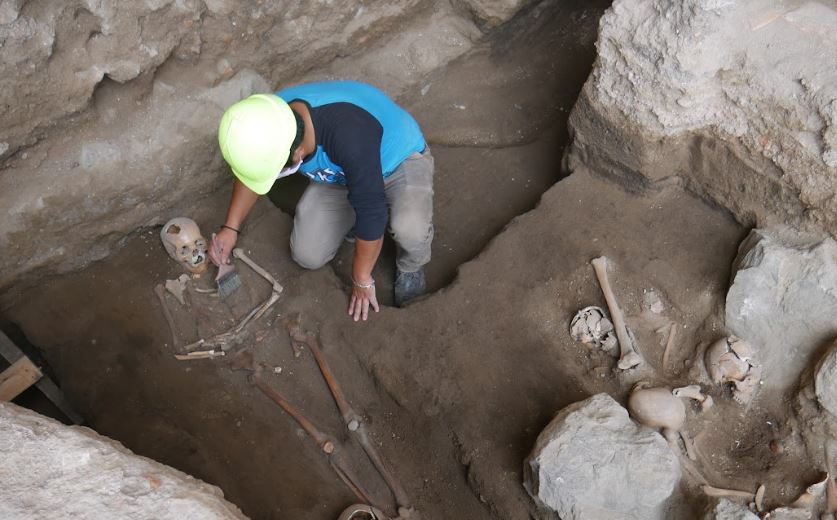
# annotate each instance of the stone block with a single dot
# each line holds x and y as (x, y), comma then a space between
(728, 96)
(50, 470)
(592, 462)
(783, 300)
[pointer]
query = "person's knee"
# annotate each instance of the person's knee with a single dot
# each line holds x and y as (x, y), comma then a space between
(411, 229)
(308, 257)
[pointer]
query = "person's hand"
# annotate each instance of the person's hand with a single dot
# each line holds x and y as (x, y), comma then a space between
(222, 245)
(363, 297)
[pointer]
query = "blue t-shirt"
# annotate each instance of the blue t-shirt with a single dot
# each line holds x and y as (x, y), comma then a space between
(362, 136)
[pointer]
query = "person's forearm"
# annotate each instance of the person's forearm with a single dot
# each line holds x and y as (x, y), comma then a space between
(243, 200)
(366, 255)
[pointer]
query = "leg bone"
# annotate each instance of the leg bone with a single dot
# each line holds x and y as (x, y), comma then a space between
(239, 253)
(629, 357)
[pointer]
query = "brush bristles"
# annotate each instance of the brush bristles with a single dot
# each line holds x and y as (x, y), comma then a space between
(228, 284)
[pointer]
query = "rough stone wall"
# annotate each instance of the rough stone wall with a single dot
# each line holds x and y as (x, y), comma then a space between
(108, 109)
(50, 470)
(737, 99)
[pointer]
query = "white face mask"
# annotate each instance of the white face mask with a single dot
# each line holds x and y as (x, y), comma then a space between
(289, 170)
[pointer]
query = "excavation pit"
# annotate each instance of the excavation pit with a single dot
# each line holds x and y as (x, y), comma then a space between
(456, 388)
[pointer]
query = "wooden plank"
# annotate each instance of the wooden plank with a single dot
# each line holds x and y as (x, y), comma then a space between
(17, 378)
(12, 353)
(9, 350)
(55, 395)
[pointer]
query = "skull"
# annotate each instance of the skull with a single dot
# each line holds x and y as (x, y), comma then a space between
(591, 327)
(184, 243)
(657, 408)
(730, 360)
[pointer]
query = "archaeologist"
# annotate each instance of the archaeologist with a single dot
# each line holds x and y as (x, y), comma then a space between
(368, 166)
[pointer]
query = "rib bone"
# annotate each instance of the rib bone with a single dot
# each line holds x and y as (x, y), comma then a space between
(760, 498)
(629, 357)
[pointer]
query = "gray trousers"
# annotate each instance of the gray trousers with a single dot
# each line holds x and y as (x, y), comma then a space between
(324, 216)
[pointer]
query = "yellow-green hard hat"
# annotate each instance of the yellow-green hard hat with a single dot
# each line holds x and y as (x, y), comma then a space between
(255, 136)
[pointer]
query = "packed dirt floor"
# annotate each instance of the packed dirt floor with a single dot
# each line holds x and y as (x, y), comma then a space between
(457, 386)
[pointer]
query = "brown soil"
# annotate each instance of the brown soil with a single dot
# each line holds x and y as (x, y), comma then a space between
(456, 387)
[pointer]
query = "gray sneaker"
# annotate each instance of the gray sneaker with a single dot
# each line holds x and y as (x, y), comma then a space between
(409, 286)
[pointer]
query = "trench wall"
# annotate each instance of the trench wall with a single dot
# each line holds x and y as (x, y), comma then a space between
(109, 109)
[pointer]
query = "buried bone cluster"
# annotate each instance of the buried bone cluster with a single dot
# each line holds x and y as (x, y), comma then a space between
(731, 368)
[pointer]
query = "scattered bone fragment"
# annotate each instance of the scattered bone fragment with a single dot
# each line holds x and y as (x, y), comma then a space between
(591, 327)
(177, 287)
(727, 493)
(672, 331)
(690, 470)
(760, 499)
(689, 445)
(694, 392)
(184, 243)
(629, 357)
(651, 300)
(657, 307)
(200, 354)
(731, 360)
(657, 408)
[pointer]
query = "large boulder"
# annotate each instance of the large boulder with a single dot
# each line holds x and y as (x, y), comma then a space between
(733, 98)
(783, 300)
(50, 470)
(592, 462)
